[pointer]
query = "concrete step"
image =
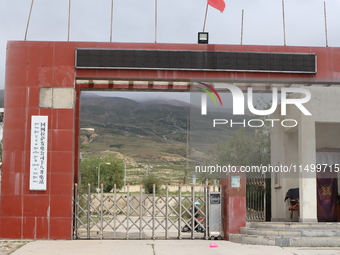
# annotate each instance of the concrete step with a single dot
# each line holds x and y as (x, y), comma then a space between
(285, 241)
(291, 232)
(294, 225)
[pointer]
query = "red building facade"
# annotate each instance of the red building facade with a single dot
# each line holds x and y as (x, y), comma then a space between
(34, 69)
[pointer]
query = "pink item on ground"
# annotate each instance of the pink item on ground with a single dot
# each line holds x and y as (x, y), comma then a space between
(213, 245)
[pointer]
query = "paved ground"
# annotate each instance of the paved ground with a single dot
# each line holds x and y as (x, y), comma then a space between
(9, 246)
(314, 250)
(159, 247)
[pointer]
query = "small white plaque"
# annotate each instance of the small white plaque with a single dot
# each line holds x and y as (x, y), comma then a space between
(38, 160)
(235, 181)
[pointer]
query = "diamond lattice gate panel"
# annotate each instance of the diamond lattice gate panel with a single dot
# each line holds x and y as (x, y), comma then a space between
(131, 215)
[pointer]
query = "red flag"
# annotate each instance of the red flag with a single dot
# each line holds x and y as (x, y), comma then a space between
(218, 4)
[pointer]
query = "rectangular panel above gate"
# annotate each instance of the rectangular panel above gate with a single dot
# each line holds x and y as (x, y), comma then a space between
(196, 60)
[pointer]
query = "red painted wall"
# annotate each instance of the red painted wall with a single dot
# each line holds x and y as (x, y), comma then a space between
(37, 214)
(234, 204)
(32, 65)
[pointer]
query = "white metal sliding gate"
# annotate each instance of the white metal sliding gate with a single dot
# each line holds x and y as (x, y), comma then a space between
(141, 216)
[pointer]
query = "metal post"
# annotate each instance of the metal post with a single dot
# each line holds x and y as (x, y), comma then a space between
(75, 216)
(325, 17)
(127, 211)
(193, 212)
(284, 23)
(242, 22)
(259, 197)
(101, 211)
(166, 211)
(222, 210)
(140, 212)
(247, 199)
(88, 210)
(153, 211)
(205, 16)
(124, 177)
(114, 209)
(179, 210)
(206, 197)
(111, 28)
(256, 197)
(28, 20)
(264, 198)
(155, 21)
(69, 20)
(186, 170)
(98, 176)
(252, 196)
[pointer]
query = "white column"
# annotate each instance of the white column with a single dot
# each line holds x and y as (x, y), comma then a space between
(307, 180)
(277, 158)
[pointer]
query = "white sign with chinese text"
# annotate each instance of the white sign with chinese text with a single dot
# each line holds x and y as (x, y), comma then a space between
(38, 162)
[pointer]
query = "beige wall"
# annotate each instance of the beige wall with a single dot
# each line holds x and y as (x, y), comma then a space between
(298, 146)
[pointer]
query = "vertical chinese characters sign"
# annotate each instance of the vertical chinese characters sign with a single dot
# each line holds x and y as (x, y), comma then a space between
(38, 163)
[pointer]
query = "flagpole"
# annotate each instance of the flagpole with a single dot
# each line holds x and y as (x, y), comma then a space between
(111, 21)
(242, 26)
(284, 23)
(205, 17)
(69, 20)
(325, 15)
(155, 21)
(28, 20)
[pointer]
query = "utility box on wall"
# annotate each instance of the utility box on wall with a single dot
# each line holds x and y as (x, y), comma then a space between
(234, 202)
